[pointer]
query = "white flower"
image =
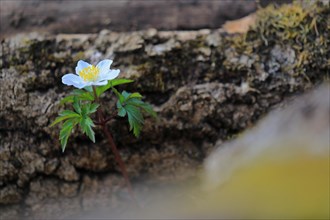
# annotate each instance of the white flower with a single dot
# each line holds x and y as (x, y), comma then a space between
(89, 75)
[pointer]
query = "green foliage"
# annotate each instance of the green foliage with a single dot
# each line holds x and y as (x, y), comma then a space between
(130, 104)
(79, 94)
(112, 83)
(86, 125)
(66, 131)
(64, 115)
(84, 104)
(80, 115)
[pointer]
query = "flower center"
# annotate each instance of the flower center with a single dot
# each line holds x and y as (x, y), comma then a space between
(90, 73)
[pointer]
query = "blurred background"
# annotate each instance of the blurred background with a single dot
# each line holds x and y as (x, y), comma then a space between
(72, 16)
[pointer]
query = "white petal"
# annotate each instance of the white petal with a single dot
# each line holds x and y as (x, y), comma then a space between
(81, 65)
(100, 83)
(104, 65)
(109, 75)
(73, 80)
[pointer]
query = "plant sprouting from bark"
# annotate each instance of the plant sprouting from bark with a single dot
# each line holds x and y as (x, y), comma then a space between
(91, 82)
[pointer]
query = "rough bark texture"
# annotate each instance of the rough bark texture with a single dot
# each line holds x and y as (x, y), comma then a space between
(205, 86)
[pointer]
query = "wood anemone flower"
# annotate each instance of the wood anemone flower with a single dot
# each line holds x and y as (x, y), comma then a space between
(89, 75)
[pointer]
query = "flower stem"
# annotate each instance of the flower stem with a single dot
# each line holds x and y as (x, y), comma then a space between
(119, 161)
(102, 121)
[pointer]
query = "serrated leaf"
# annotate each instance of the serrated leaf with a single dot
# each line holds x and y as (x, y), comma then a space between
(135, 119)
(86, 97)
(121, 109)
(135, 112)
(144, 106)
(85, 109)
(121, 112)
(93, 107)
(90, 133)
(85, 122)
(68, 99)
(120, 96)
(131, 104)
(89, 108)
(134, 125)
(86, 125)
(67, 126)
(111, 83)
(148, 108)
(118, 104)
(83, 95)
(76, 105)
(125, 94)
(66, 114)
(66, 132)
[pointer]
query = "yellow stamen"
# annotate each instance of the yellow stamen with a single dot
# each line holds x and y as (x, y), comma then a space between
(90, 73)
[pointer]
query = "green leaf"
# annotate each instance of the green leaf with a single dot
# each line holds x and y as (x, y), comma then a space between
(66, 114)
(135, 112)
(85, 109)
(90, 133)
(118, 104)
(121, 109)
(148, 108)
(116, 82)
(120, 96)
(111, 83)
(136, 126)
(66, 132)
(68, 99)
(80, 94)
(125, 94)
(83, 95)
(135, 119)
(121, 112)
(144, 106)
(76, 105)
(131, 104)
(93, 107)
(135, 95)
(89, 108)
(86, 97)
(86, 125)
